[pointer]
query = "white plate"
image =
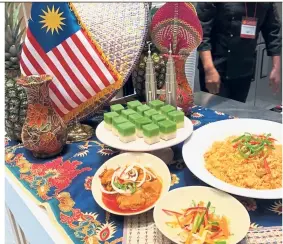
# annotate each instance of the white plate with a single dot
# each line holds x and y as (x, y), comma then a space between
(224, 204)
(203, 138)
(145, 159)
(107, 137)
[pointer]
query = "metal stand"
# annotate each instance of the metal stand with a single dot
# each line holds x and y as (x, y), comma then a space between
(79, 132)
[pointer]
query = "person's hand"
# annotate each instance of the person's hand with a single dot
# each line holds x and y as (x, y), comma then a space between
(274, 79)
(212, 80)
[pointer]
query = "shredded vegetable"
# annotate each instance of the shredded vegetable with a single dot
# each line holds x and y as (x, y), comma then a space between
(126, 180)
(250, 145)
(199, 224)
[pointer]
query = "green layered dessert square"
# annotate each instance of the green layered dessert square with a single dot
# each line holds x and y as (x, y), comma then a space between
(127, 112)
(127, 132)
(115, 122)
(134, 117)
(167, 129)
(156, 104)
(140, 123)
(108, 119)
(167, 109)
(178, 117)
(117, 108)
(141, 109)
(134, 104)
(149, 113)
(158, 117)
(151, 133)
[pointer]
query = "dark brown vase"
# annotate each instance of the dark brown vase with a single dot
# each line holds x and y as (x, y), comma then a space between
(44, 132)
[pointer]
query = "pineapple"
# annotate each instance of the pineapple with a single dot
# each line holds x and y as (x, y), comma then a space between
(15, 96)
(138, 74)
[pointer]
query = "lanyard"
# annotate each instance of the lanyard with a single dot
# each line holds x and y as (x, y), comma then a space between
(247, 9)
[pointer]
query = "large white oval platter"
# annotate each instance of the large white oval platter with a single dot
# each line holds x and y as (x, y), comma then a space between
(224, 204)
(202, 139)
(146, 160)
(107, 137)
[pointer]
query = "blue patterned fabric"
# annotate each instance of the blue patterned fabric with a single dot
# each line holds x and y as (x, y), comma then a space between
(63, 185)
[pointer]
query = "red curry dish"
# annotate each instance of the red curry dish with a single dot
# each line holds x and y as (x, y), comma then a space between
(130, 189)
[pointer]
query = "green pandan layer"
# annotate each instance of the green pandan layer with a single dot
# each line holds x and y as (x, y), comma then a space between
(126, 129)
(141, 109)
(117, 108)
(118, 120)
(176, 116)
(167, 126)
(109, 116)
(143, 121)
(166, 109)
(158, 117)
(150, 113)
(134, 117)
(156, 104)
(150, 130)
(127, 112)
(134, 104)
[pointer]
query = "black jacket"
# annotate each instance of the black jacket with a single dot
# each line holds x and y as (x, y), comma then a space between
(233, 56)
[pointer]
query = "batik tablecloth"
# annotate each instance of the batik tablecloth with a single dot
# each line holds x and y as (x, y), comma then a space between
(63, 186)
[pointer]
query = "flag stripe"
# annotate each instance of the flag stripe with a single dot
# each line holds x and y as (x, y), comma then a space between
(80, 40)
(60, 96)
(76, 95)
(60, 107)
(91, 48)
(78, 63)
(31, 70)
(77, 73)
(25, 69)
(45, 59)
(32, 60)
(71, 74)
(63, 94)
(83, 60)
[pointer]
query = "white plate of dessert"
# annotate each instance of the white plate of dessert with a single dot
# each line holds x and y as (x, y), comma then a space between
(144, 127)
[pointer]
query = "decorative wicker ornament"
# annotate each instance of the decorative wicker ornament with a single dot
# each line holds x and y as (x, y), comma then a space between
(120, 30)
(176, 24)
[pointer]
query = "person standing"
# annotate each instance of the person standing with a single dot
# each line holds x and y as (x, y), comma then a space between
(227, 52)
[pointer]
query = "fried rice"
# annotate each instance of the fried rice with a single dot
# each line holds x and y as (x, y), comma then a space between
(224, 162)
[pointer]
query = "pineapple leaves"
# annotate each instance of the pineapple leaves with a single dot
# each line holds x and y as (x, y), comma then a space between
(19, 37)
(16, 13)
(16, 31)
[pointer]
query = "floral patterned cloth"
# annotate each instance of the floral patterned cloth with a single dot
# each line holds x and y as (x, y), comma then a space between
(63, 185)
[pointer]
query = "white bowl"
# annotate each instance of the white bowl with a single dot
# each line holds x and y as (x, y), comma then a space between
(145, 159)
(224, 204)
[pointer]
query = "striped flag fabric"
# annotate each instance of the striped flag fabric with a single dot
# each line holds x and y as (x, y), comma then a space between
(58, 44)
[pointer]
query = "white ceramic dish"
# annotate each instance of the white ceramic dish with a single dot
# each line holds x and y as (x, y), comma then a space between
(107, 137)
(145, 159)
(203, 138)
(224, 204)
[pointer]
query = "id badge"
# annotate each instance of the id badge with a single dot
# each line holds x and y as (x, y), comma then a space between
(248, 28)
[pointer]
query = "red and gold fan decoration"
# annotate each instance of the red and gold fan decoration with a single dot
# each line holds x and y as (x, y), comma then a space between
(177, 25)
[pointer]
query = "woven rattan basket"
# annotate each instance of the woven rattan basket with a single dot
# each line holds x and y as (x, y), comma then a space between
(120, 29)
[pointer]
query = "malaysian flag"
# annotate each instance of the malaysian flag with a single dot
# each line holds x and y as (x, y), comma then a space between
(58, 44)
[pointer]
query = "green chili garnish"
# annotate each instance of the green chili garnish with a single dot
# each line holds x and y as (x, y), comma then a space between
(249, 145)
